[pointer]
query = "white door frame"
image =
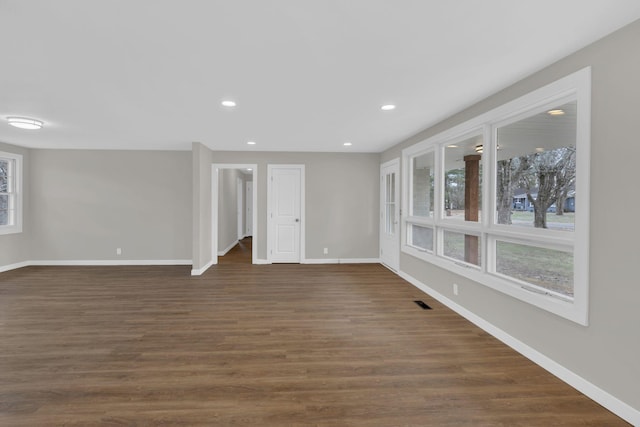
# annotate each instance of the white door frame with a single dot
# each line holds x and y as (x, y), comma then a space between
(215, 168)
(270, 232)
(396, 257)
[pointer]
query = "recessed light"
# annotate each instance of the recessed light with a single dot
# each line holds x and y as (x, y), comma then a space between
(228, 103)
(251, 142)
(249, 169)
(452, 146)
(347, 144)
(388, 107)
(25, 123)
(557, 112)
(479, 148)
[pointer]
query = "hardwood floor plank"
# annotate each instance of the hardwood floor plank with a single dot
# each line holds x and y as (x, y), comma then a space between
(267, 345)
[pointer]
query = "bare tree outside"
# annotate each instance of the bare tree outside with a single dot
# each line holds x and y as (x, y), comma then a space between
(510, 174)
(549, 175)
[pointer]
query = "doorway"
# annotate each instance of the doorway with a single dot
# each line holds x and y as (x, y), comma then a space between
(285, 198)
(228, 214)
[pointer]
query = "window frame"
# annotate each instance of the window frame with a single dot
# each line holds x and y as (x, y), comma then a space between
(574, 87)
(16, 226)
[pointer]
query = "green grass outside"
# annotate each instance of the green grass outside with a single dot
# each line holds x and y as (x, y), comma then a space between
(548, 268)
(567, 218)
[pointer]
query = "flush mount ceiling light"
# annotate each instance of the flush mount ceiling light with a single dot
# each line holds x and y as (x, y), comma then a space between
(557, 112)
(251, 142)
(347, 144)
(388, 107)
(228, 103)
(24, 123)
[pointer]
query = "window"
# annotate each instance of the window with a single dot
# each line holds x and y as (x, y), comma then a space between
(10, 193)
(463, 179)
(503, 198)
(536, 170)
(422, 179)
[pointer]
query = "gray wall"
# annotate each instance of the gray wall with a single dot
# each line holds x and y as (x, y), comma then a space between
(342, 196)
(606, 352)
(85, 204)
(15, 248)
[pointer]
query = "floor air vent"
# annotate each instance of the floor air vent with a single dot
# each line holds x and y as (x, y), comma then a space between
(423, 305)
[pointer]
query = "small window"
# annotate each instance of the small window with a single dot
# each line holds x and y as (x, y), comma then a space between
(462, 169)
(10, 196)
(545, 268)
(422, 185)
(462, 247)
(420, 237)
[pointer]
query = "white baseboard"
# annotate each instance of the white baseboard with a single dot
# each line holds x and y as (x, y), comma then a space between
(96, 263)
(199, 271)
(261, 261)
(224, 251)
(341, 261)
(360, 261)
(111, 262)
(14, 266)
(612, 403)
(320, 261)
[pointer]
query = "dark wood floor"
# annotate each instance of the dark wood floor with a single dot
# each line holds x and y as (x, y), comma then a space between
(258, 345)
(239, 254)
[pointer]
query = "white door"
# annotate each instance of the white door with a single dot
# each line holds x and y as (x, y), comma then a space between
(285, 185)
(390, 215)
(249, 204)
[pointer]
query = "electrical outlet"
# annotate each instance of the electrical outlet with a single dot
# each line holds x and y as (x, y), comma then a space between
(118, 251)
(455, 289)
(326, 251)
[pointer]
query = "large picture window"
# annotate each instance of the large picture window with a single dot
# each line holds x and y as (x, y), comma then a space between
(503, 198)
(10, 193)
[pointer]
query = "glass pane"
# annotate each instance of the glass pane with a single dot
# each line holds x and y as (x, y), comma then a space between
(392, 192)
(423, 185)
(536, 170)
(421, 237)
(548, 268)
(463, 179)
(463, 247)
(387, 188)
(4, 209)
(391, 218)
(4, 176)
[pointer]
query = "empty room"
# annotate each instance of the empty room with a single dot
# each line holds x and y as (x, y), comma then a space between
(319, 213)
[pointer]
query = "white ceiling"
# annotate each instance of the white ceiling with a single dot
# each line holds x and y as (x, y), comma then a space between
(307, 75)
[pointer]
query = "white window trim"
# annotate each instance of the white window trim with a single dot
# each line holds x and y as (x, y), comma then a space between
(18, 176)
(576, 86)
